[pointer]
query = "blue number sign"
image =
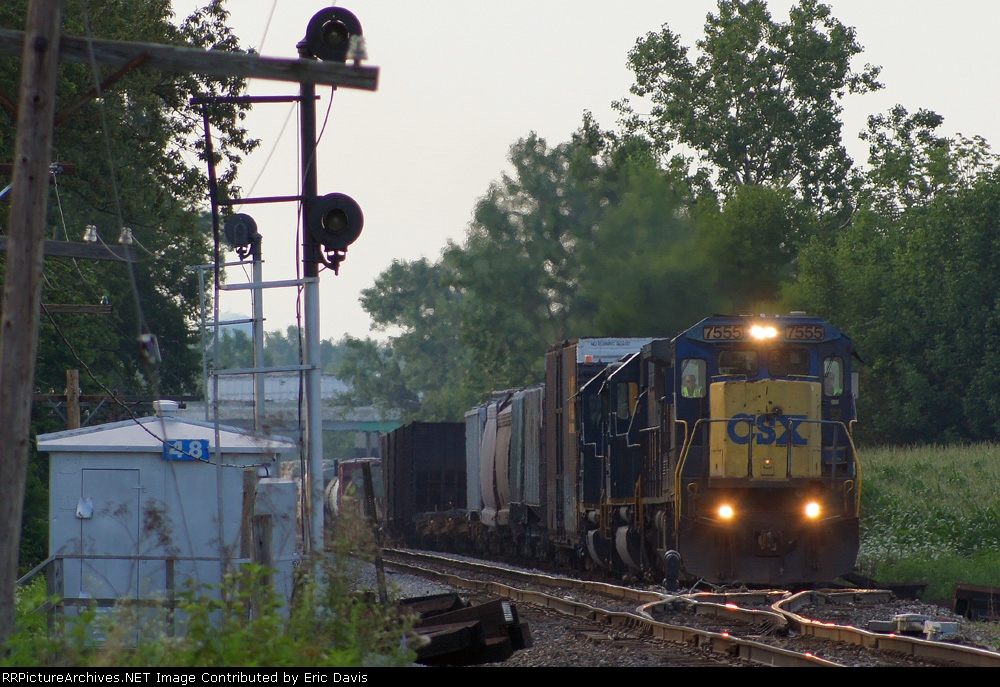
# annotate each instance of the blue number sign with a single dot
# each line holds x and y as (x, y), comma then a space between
(185, 449)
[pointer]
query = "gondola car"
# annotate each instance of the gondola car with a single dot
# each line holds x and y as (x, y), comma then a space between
(424, 467)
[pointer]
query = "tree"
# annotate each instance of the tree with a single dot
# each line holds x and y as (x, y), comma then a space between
(283, 348)
(137, 151)
(760, 102)
(131, 149)
(752, 242)
(645, 272)
(425, 371)
(911, 163)
(906, 278)
(584, 238)
(522, 250)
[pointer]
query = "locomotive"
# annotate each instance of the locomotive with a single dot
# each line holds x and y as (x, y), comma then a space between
(724, 454)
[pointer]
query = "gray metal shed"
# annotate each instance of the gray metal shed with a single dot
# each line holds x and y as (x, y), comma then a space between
(127, 497)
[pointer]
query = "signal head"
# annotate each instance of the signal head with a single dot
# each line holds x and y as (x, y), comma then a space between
(335, 222)
(328, 36)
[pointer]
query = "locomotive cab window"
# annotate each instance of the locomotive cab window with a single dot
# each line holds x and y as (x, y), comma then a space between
(693, 378)
(738, 363)
(628, 398)
(788, 362)
(594, 410)
(833, 376)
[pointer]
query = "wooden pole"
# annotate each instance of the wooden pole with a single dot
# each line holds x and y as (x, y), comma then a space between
(72, 399)
(249, 495)
(23, 282)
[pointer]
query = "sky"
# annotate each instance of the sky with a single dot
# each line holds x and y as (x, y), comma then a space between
(462, 81)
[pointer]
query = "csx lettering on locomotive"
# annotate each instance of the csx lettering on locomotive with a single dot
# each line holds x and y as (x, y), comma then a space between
(766, 429)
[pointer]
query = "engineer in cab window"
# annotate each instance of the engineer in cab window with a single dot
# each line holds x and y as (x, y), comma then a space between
(833, 376)
(690, 388)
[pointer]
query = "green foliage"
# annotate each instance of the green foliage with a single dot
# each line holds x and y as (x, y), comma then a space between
(932, 514)
(543, 261)
(376, 378)
(280, 348)
(326, 625)
(520, 266)
(614, 234)
(137, 151)
(760, 101)
(235, 349)
(752, 243)
(911, 163)
(283, 348)
(427, 356)
(910, 287)
(647, 270)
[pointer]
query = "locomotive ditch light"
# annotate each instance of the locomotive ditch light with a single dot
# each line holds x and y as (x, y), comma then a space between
(812, 510)
(726, 511)
(760, 332)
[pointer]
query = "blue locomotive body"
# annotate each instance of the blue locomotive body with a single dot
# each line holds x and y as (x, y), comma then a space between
(729, 453)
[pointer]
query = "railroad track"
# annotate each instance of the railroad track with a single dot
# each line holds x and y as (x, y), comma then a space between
(760, 627)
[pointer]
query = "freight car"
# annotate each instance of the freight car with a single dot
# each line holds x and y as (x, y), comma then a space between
(424, 468)
(725, 454)
(347, 491)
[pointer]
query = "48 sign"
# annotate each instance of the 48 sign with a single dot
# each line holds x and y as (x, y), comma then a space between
(186, 449)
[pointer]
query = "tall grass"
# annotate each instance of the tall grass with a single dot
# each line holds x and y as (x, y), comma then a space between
(931, 514)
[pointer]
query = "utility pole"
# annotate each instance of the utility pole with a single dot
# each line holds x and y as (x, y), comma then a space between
(331, 224)
(310, 290)
(41, 47)
(23, 283)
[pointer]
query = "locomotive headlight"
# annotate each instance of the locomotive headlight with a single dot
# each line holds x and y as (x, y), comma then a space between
(759, 331)
(812, 510)
(726, 511)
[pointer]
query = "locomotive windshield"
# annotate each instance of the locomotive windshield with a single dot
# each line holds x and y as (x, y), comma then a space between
(693, 378)
(738, 363)
(788, 362)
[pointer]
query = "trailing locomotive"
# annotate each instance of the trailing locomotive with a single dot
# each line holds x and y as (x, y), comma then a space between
(724, 454)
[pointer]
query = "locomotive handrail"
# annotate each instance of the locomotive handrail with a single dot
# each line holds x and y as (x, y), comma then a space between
(689, 441)
(631, 421)
(679, 470)
(854, 453)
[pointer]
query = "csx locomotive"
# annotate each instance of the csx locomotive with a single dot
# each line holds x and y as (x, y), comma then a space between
(725, 454)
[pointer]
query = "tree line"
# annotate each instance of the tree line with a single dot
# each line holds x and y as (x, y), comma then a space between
(724, 187)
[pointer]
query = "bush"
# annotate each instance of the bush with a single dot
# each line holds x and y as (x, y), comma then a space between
(326, 624)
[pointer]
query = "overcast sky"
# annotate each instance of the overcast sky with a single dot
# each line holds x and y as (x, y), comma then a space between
(461, 81)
